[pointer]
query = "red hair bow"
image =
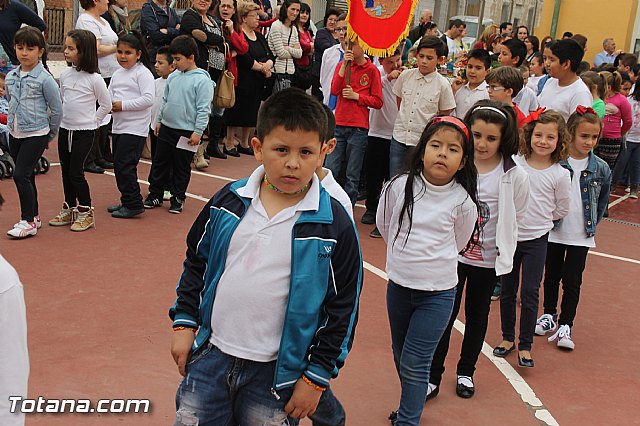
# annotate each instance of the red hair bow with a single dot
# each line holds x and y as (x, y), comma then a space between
(582, 110)
(534, 115)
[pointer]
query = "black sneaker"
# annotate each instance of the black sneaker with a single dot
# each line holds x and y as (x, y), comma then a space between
(176, 205)
(375, 233)
(369, 217)
(152, 202)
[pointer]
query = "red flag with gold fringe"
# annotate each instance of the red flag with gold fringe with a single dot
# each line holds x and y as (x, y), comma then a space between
(379, 25)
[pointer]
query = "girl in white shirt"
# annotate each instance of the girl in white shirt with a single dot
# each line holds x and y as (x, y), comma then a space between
(570, 240)
(426, 215)
(503, 194)
(132, 92)
(542, 147)
(81, 86)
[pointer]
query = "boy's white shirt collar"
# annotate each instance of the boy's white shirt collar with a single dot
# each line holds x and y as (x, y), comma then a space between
(310, 202)
(481, 86)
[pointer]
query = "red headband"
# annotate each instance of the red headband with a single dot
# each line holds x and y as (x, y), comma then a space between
(455, 121)
(582, 110)
(534, 115)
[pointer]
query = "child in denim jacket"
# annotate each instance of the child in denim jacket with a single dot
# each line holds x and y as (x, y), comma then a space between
(570, 240)
(35, 112)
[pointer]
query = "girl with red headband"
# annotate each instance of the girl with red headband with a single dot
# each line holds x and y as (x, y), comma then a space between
(426, 215)
(542, 146)
(571, 239)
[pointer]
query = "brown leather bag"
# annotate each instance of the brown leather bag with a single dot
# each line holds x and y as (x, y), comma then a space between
(225, 93)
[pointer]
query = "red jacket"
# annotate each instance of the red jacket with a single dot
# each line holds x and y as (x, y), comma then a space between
(365, 81)
(305, 43)
(238, 43)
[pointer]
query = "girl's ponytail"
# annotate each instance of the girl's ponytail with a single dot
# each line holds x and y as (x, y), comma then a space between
(613, 80)
(134, 39)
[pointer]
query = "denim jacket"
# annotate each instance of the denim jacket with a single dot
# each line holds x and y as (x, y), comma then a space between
(595, 185)
(34, 100)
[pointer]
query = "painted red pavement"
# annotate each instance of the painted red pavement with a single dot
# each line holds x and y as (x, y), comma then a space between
(97, 306)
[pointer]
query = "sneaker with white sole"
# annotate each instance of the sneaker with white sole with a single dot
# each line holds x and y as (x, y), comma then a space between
(545, 324)
(38, 222)
(84, 219)
(23, 229)
(65, 217)
(564, 338)
(497, 290)
(166, 196)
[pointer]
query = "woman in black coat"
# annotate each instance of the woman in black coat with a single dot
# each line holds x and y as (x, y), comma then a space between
(160, 24)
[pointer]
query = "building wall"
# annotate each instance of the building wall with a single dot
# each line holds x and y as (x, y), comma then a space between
(596, 19)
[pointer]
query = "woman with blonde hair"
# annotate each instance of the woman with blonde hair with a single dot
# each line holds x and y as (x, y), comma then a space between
(483, 41)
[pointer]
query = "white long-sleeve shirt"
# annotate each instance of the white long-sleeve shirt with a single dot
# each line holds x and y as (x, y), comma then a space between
(80, 91)
(280, 37)
(135, 88)
(443, 221)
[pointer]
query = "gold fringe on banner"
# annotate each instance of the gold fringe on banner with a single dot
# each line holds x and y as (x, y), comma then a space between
(376, 51)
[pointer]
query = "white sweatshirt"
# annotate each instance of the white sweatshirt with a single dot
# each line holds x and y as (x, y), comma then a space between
(80, 91)
(135, 88)
(443, 220)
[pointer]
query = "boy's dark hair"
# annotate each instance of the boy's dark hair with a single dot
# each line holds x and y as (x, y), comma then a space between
(628, 59)
(567, 50)
(184, 45)
(30, 37)
(624, 76)
(504, 25)
(433, 42)
(636, 69)
(87, 53)
(567, 34)
(294, 110)
(330, 11)
(135, 40)
(455, 23)
(331, 123)
(581, 40)
(396, 52)
(517, 48)
(560, 153)
(164, 50)
(583, 67)
(282, 15)
(507, 77)
(485, 110)
(482, 56)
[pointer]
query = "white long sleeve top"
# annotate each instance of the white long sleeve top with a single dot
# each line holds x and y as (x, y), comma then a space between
(443, 220)
(136, 89)
(80, 91)
(278, 39)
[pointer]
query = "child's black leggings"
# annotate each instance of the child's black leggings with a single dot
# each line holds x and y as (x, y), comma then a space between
(26, 153)
(126, 153)
(73, 149)
(564, 263)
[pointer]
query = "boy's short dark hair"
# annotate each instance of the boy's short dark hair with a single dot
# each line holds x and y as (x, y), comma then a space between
(184, 45)
(482, 56)
(504, 25)
(581, 40)
(567, 34)
(627, 59)
(455, 23)
(294, 110)
(433, 42)
(583, 67)
(164, 50)
(567, 50)
(30, 37)
(331, 122)
(517, 48)
(507, 77)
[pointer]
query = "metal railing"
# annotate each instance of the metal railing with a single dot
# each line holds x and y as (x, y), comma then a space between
(56, 32)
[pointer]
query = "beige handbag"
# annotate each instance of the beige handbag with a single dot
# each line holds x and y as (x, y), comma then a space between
(225, 93)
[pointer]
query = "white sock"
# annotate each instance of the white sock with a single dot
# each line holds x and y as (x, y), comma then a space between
(466, 381)
(431, 388)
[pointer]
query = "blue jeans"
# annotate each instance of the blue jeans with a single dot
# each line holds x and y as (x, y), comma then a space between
(418, 320)
(397, 157)
(351, 145)
(222, 390)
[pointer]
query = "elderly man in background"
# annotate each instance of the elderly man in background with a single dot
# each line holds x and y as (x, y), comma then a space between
(418, 31)
(608, 55)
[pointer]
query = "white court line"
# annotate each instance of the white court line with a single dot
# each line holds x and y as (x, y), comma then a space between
(619, 200)
(518, 383)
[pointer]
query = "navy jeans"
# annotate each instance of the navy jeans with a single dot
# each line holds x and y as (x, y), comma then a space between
(531, 255)
(397, 157)
(627, 170)
(222, 390)
(351, 145)
(418, 320)
(127, 150)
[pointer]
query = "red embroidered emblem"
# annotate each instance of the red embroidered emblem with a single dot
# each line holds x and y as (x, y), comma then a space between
(365, 80)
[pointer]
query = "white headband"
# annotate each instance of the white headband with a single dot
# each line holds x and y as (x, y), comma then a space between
(490, 108)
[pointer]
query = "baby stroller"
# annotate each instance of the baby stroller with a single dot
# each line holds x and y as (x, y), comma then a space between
(7, 164)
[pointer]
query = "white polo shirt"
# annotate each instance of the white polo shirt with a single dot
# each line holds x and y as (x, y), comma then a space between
(422, 97)
(252, 294)
(466, 97)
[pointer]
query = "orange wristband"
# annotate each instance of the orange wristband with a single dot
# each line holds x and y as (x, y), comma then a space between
(313, 385)
(184, 328)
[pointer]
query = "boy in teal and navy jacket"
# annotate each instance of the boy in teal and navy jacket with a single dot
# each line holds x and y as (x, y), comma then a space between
(268, 300)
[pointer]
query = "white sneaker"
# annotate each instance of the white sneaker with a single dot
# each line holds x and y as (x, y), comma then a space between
(23, 229)
(38, 222)
(545, 324)
(564, 338)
